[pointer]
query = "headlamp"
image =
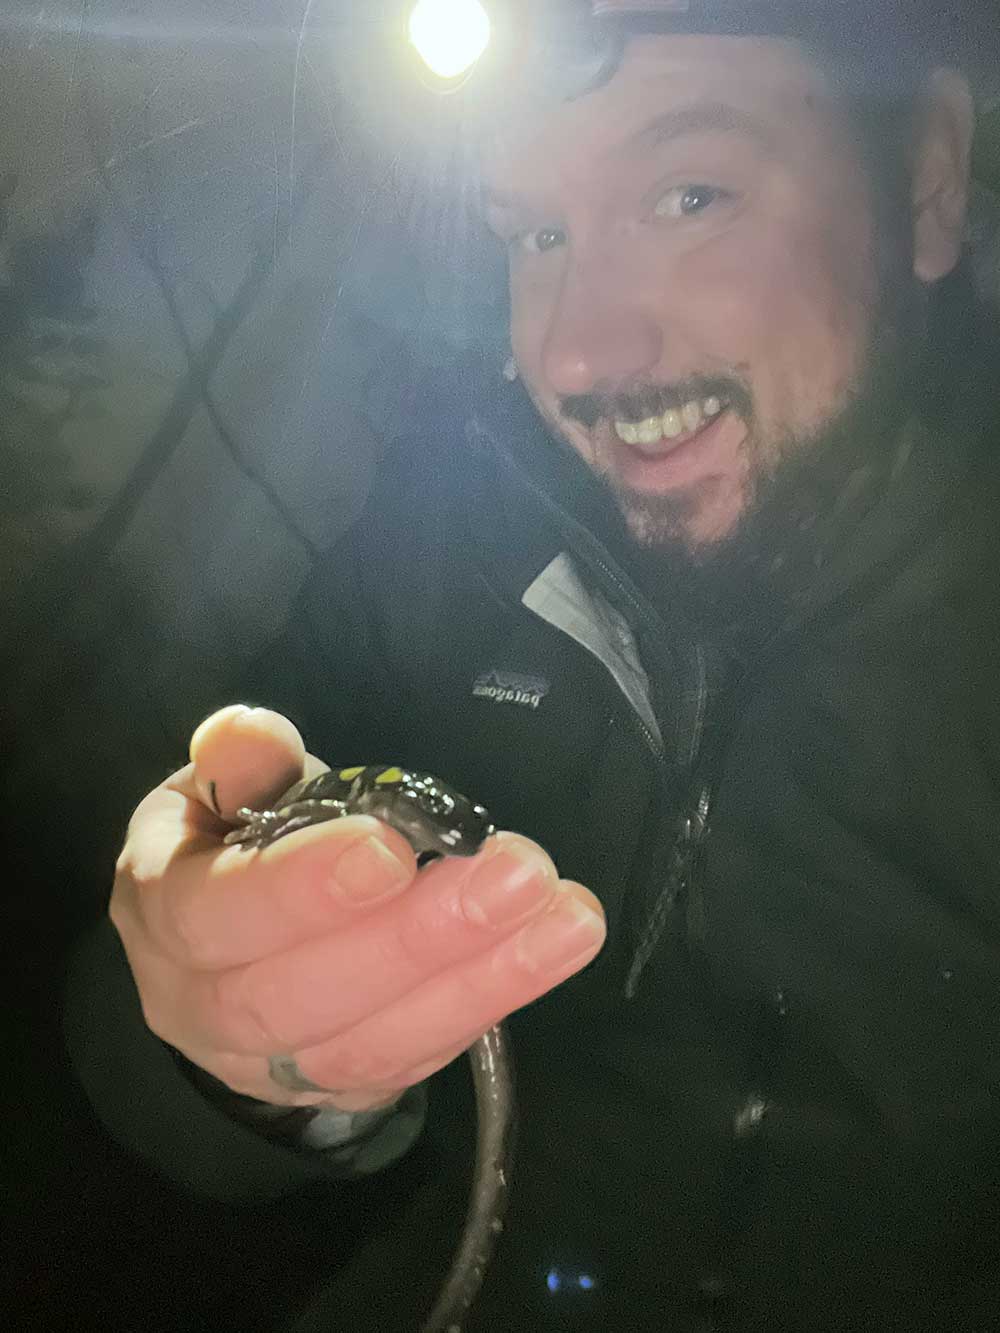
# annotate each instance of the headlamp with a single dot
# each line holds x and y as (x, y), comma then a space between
(566, 48)
(449, 35)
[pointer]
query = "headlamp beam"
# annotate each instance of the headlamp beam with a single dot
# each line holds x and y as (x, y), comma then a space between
(449, 35)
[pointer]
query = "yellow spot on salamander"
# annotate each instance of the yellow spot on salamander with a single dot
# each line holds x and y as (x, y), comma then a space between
(390, 776)
(349, 774)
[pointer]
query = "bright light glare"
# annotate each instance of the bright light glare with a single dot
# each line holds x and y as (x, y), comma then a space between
(450, 35)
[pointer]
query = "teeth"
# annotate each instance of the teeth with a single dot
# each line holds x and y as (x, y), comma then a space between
(648, 431)
(691, 416)
(673, 425)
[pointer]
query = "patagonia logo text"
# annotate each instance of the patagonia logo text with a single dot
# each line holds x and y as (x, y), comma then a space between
(508, 687)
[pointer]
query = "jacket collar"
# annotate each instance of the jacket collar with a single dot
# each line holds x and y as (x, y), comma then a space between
(563, 599)
(542, 522)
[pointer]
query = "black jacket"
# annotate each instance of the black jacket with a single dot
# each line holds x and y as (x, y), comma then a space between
(772, 1101)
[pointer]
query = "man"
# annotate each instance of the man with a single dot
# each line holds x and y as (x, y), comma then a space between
(722, 639)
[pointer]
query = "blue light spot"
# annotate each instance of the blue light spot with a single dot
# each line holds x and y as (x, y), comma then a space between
(585, 1281)
(553, 1281)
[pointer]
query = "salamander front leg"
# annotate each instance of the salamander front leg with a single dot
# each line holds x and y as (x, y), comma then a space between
(261, 827)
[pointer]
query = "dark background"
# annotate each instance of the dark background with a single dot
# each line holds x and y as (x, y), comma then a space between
(235, 262)
(232, 268)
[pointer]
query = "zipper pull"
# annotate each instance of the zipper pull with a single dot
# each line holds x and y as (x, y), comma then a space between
(680, 883)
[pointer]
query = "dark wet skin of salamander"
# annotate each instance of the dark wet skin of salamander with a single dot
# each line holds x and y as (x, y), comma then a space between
(437, 821)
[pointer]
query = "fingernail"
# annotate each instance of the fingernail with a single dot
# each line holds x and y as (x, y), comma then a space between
(565, 934)
(368, 871)
(513, 880)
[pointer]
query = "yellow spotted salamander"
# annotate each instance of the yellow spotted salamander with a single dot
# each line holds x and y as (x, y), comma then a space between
(437, 821)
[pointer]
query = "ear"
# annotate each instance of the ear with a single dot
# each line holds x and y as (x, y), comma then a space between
(943, 144)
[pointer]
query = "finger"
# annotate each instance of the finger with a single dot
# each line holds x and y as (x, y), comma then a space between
(245, 757)
(467, 1000)
(170, 822)
(175, 818)
(250, 1075)
(229, 906)
(418, 1073)
(457, 909)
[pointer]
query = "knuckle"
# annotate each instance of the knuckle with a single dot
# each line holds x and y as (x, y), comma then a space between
(116, 910)
(184, 938)
(124, 905)
(154, 1019)
(158, 998)
(245, 1007)
(410, 944)
(122, 917)
(155, 1014)
(125, 863)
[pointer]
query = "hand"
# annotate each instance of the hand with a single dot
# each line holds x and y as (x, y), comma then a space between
(328, 946)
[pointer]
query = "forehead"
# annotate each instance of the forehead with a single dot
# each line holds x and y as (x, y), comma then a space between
(764, 89)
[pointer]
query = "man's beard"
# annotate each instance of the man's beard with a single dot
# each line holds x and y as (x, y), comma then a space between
(801, 507)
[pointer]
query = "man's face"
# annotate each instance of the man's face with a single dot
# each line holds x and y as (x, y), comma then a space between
(693, 274)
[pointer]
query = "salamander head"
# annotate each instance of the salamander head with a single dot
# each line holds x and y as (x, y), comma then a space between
(432, 816)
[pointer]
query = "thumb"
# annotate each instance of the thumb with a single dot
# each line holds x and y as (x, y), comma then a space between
(245, 756)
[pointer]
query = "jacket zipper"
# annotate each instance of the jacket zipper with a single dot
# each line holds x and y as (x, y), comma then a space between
(683, 881)
(686, 867)
(687, 841)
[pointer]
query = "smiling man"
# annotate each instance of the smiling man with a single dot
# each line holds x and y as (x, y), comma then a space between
(718, 295)
(707, 610)
(694, 279)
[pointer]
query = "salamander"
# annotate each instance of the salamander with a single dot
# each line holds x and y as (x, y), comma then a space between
(437, 821)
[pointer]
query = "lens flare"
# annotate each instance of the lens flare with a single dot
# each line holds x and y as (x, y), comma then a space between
(450, 35)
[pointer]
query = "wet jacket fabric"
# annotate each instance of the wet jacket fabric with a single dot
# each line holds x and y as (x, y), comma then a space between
(771, 1102)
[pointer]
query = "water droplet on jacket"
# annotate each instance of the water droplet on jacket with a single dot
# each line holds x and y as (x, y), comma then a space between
(748, 1118)
(712, 1286)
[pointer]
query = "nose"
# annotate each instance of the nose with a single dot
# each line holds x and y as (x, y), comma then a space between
(599, 333)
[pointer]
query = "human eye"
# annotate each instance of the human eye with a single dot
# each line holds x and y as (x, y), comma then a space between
(538, 241)
(688, 201)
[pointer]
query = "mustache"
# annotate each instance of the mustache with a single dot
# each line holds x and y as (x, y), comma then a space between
(637, 401)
